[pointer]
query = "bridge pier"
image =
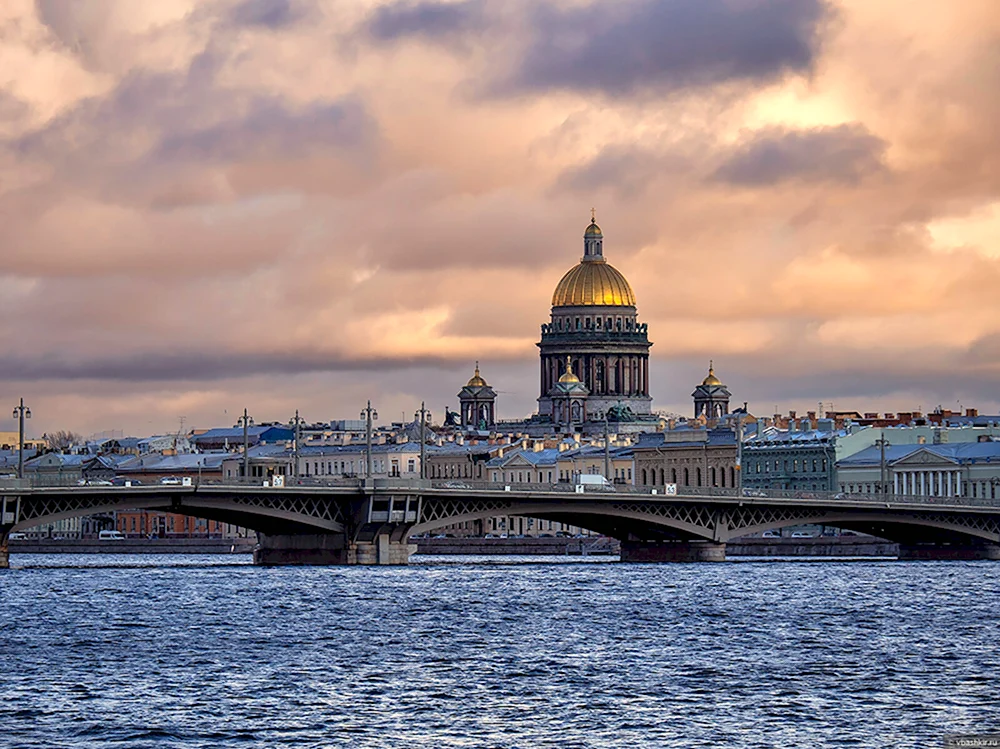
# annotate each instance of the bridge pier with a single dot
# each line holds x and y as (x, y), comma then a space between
(673, 551)
(941, 552)
(381, 550)
(329, 549)
(4, 554)
(306, 548)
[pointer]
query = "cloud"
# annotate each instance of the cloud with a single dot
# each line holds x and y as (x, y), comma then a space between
(845, 153)
(431, 20)
(271, 14)
(619, 48)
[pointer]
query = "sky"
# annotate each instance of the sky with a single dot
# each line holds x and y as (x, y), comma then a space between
(211, 205)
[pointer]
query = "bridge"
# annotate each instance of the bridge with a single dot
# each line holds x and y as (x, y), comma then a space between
(343, 521)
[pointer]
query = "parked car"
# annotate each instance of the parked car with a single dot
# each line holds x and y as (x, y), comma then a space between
(17, 536)
(110, 536)
(754, 493)
(802, 534)
(771, 534)
(121, 481)
(456, 485)
(171, 480)
(93, 482)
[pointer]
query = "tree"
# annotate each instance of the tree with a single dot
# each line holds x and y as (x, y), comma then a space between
(61, 440)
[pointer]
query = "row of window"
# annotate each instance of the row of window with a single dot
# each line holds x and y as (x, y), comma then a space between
(593, 323)
(794, 466)
(717, 477)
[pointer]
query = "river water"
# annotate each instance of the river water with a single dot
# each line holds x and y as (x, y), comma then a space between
(192, 651)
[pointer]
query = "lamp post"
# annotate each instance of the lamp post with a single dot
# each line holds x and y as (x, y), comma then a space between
(739, 452)
(21, 412)
(296, 422)
(247, 421)
(422, 415)
(882, 443)
(607, 449)
(368, 413)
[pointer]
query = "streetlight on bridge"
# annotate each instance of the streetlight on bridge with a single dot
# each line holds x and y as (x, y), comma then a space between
(369, 413)
(422, 415)
(21, 412)
(296, 422)
(247, 421)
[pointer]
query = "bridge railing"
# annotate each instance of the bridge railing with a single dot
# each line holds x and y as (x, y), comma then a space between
(459, 485)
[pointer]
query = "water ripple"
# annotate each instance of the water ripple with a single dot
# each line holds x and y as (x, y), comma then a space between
(190, 652)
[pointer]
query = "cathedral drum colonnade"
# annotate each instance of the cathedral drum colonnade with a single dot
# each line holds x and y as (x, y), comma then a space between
(594, 342)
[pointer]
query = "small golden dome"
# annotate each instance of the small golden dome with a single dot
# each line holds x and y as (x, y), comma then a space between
(593, 283)
(476, 380)
(593, 230)
(711, 379)
(568, 375)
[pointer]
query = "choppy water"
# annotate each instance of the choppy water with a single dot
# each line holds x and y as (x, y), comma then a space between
(190, 652)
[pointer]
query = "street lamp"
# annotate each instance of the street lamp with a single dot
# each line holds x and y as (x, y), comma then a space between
(882, 443)
(368, 413)
(247, 421)
(607, 449)
(422, 415)
(21, 412)
(296, 422)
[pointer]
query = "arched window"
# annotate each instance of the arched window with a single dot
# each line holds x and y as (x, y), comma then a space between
(644, 483)
(663, 479)
(722, 477)
(732, 476)
(697, 475)
(687, 479)
(711, 473)
(673, 475)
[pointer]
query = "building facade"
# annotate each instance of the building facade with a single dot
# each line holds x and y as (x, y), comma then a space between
(688, 458)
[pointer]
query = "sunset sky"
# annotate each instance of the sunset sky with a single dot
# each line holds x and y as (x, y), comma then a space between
(283, 204)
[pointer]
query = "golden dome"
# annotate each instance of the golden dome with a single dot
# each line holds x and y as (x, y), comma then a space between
(593, 283)
(568, 375)
(593, 230)
(711, 379)
(476, 380)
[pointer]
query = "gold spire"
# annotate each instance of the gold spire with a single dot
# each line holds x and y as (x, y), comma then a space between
(568, 375)
(476, 380)
(711, 379)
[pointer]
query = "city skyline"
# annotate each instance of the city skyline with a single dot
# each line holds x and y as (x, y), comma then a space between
(285, 206)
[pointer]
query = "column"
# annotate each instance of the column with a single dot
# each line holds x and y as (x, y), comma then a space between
(895, 483)
(951, 484)
(645, 377)
(923, 483)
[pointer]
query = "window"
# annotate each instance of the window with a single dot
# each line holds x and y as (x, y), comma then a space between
(411, 465)
(578, 323)
(824, 465)
(697, 475)
(795, 466)
(687, 480)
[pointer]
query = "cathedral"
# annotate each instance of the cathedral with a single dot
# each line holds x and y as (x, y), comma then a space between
(593, 361)
(594, 351)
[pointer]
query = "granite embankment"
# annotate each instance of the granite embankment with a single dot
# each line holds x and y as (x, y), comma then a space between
(133, 546)
(828, 546)
(844, 546)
